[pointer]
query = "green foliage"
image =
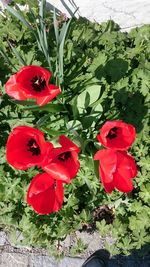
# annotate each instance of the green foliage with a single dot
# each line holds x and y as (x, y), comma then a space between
(105, 75)
(78, 248)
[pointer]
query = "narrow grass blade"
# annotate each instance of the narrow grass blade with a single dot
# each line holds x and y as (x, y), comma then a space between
(67, 7)
(6, 58)
(18, 56)
(56, 27)
(62, 37)
(53, 108)
(19, 16)
(41, 9)
(61, 47)
(51, 131)
(23, 102)
(42, 36)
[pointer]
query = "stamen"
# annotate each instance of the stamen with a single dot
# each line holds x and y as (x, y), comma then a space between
(54, 185)
(112, 133)
(33, 147)
(38, 83)
(64, 156)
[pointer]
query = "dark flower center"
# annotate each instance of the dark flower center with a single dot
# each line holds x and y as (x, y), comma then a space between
(64, 156)
(112, 133)
(33, 147)
(38, 83)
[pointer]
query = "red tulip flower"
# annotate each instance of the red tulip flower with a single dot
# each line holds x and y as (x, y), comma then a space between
(116, 169)
(45, 195)
(63, 161)
(117, 135)
(26, 147)
(32, 82)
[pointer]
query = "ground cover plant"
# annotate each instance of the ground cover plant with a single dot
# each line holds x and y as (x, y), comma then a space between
(103, 75)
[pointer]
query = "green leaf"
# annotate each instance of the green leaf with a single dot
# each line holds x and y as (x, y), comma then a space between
(18, 56)
(41, 34)
(89, 96)
(74, 108)
(88, 121)
(19, 16)
(55, 22)
(6, 58)
(116, 68)
(74, 125)
(42, 120)
(23, 102)
(51, 131)
(41, 9)
(96, 165)
(49, 107)
(62, 36)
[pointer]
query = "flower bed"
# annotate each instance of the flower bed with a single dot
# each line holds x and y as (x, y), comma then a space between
(98, 95)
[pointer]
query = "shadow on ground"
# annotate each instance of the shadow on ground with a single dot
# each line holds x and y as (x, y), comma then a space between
(138, 258)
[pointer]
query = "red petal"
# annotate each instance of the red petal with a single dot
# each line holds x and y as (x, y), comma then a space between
(98, 155)
(109, 187)
(123, 140)
(126, 170)
(59, 191)
(43, 196)
(126, 165)
(43, 203)
(41, 101)
(13, 89)
(66, 169)
(28, 72)
(122, 184)
(16, 148)
(39, 184)
(65, 142)
(47, 148)
(116, 169)
(20, 87)
(108, 161)
(129, 133)
(58, 171)
(72, 164)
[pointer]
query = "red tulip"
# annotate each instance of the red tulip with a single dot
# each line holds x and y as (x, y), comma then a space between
(117, 135)
(32, 82)
(45, 195)
(26, 147)
(116, 169)
(63, 161)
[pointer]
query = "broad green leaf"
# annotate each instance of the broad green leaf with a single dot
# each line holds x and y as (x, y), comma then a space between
(97, 111)
(88, 121)
(74, 125)
(116, 68)
(90, 95)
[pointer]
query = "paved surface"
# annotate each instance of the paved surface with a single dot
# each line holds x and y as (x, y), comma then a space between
(127, 13)
(11, 256)
(29, 260)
